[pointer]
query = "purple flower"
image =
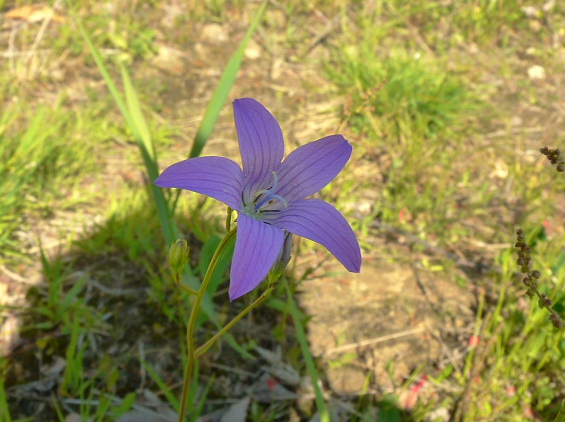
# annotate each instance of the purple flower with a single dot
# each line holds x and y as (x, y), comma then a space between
(269, 194)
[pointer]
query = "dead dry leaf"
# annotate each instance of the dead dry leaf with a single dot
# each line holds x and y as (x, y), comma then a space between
(237, 412)
(34, 14)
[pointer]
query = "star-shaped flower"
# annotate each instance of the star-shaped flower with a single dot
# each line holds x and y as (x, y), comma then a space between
(269, 194)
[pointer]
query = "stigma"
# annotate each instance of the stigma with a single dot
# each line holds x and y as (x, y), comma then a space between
(266, 201)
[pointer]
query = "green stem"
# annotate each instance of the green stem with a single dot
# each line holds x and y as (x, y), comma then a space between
(191, 354)
(202, 349)
(179, 283)
(549, 308)
(228, 219)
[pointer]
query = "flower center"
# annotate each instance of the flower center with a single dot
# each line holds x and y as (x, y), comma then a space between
(266, 201)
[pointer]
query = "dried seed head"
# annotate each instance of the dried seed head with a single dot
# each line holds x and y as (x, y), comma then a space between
(557, 322)
(547, 301)
(541, 304)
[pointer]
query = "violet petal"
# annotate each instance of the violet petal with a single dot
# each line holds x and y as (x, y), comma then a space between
(319, 221)
(309, 168)
(217, 177)
(260, 141)
(256, 247)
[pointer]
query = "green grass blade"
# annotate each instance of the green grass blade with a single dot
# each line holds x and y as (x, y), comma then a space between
(297, 316)
(170, 229)
(134, 108)
(561, 416)
(73, 293)
(162, 385)
(136, 122)
(222, 89)
(221, 93)
(4, 412)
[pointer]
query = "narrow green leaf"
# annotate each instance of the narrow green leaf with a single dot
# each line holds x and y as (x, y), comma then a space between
(73, 293)
(561, 416)
(134, 108)
(125, 405)
(199, 408)
(297, 317)
(223, 89)
(161, 384)
(169, 227)
(43, 326)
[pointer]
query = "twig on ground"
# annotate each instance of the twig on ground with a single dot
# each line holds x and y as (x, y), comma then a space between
(369, 342)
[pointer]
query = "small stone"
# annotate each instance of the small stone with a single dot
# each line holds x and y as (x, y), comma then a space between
(346, 379)
(253, 50)
(276, 68)
(169, 60)
(535, 26)
(213, 32)
(536, 72)
(516, 121)
(531, 12)
(548, 6)
(500, 170)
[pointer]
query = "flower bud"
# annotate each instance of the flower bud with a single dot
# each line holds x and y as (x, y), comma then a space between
(535, 274)
(283, 259)
(178, 255)
(561, 167)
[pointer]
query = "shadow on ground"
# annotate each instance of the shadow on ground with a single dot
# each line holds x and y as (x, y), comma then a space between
(104, 321)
